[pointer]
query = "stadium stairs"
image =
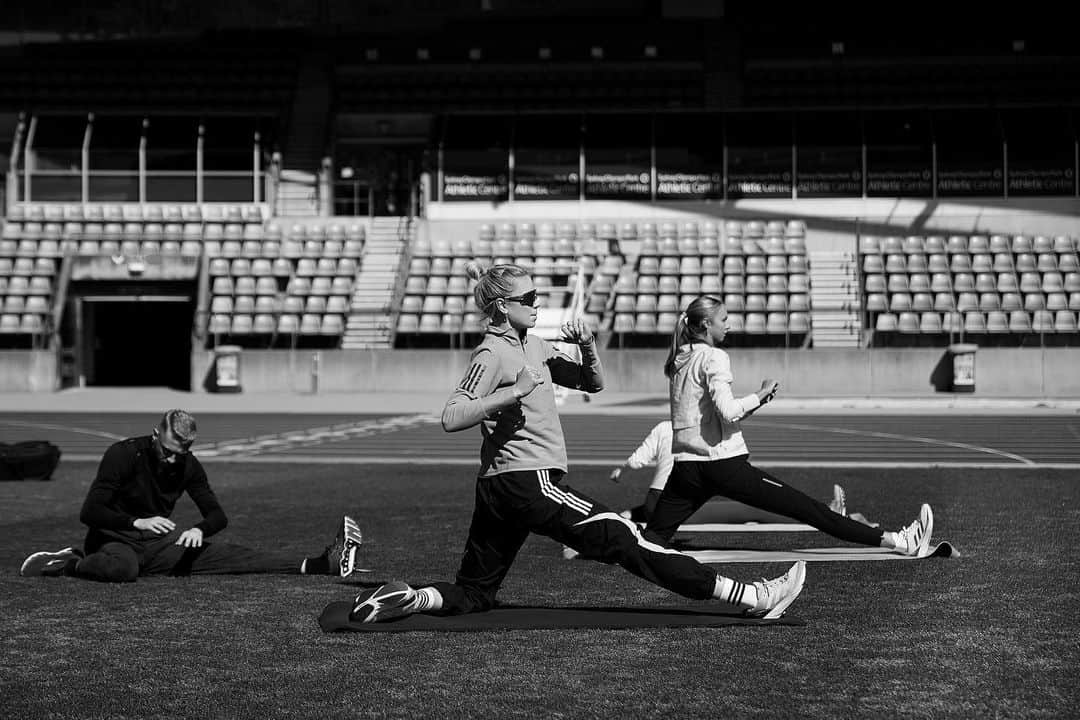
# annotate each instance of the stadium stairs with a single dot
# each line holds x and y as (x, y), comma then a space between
(377, 290)
(834, 299)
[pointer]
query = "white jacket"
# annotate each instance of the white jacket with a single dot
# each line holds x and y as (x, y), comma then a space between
(705, 413)
(655, 450)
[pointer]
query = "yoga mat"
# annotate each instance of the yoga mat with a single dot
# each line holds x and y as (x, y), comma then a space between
(732, 516)
(335, 618)
(941, 550)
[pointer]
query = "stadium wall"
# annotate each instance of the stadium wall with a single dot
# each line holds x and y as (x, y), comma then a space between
(28, 371)
(882, 372)
(833, 224)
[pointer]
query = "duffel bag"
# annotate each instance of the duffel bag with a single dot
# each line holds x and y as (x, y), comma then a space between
(28, 460)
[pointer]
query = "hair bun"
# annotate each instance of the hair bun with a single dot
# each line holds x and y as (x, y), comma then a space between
(474, 270)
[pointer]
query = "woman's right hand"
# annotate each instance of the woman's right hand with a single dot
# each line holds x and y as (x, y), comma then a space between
(768, 390)
(527, 381)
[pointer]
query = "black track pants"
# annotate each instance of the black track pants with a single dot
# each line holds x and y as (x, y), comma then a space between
(692, 483)
(511, 505)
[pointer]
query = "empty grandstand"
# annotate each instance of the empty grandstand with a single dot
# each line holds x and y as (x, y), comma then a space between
(254, 179)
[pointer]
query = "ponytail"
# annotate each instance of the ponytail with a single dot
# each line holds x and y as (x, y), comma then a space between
(691, 326)
(494, 283)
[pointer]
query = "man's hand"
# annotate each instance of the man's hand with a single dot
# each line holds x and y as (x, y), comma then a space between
(768, 390)
(190, 538)
(577, 332)
(156, 524)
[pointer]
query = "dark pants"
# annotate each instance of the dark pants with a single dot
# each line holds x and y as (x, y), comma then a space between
(511, 505)
(643, 512)
(123, 556)
(692, 483)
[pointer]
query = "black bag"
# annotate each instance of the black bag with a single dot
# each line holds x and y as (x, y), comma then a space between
(29, 460)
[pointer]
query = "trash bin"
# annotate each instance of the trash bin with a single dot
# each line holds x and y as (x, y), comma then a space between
(226, 374)
(963, 367)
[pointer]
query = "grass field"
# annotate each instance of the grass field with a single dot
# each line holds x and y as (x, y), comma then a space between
(991, 634)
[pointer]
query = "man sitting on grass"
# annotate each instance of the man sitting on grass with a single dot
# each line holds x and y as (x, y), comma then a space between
(128, 507)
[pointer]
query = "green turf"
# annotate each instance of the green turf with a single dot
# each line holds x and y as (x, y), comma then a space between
(992, 634)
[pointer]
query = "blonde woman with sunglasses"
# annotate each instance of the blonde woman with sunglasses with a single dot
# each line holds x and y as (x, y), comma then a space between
(507, 390)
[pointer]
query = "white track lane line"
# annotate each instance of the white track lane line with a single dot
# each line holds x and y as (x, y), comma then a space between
(595, 462)
(68, 428)
(894, 436)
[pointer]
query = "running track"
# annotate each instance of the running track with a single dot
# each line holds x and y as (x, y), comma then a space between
(794, 440)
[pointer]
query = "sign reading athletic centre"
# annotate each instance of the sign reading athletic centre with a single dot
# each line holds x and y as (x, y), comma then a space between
(689, 186)
(476, 187)
(546, 186)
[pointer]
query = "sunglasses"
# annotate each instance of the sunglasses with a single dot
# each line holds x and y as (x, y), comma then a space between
(528, 298)
(166, 452)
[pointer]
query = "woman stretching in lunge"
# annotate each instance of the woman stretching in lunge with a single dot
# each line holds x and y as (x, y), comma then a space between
(507, 390)
(711, 457)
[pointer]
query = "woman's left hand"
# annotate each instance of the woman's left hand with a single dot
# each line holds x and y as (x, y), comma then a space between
(577, 332)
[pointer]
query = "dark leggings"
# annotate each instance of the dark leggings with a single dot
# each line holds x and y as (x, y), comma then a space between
(123, 557)
(512, 505)
(692, 483)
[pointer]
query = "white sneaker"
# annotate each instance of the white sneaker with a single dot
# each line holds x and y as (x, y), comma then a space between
(386, 602)
(774, 596)
(915, 538)
(839, 500)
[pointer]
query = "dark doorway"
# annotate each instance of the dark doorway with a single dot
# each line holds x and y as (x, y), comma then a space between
(138, 342)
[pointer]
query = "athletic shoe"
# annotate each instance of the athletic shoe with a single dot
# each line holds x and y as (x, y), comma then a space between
(383, 603)
(839, 500)
(51, 564)
(774, 596)
(915, 538)
(342, 552)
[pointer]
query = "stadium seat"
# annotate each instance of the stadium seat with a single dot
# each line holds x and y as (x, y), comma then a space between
(623, 323)
(899, 302)
(974, 322)
(288, 324)
(755, 323)
(1011, 301)
(930, 323)
(989, 301)
(1046, 262)
(999, 244)
(219, 324)
(733, 302)
(908, 323)
(408, 323)
(886, 322)
(333, 324)
(963, 282)
(1042, 321)
(981, 263)
(310, 324)
(898, 283)
(916, 263)
(997, 323)
(1021, 244)
(922, 302)
(241, 325)
(960, 263)
(957, 244)
(1056, 301)
(937, 263)
(1034, 301)
(1065, 322)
